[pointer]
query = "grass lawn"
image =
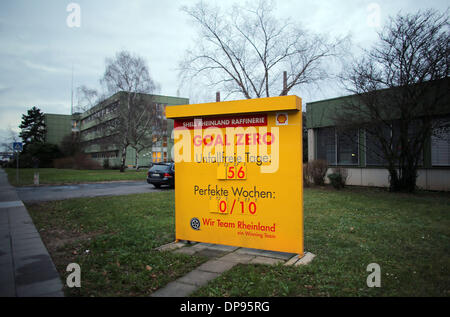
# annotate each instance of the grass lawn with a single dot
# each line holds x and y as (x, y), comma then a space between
(407, 235)
(64, 176)
(113, 241)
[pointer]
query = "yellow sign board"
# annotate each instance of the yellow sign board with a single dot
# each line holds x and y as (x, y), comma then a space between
(238, 173)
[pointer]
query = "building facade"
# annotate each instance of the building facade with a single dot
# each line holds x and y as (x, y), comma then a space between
(90, 127)
(354, 150)
(58, 126)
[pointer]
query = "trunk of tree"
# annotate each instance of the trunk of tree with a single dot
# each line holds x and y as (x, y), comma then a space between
(393, 179)
(123, 160)
(137, 160)
(403, 179)
(408, 177)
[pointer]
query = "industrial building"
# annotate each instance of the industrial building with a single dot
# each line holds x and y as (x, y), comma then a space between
(355, 153)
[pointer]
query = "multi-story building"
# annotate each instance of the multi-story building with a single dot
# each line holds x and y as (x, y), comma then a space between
(91, 126)
(58, 126)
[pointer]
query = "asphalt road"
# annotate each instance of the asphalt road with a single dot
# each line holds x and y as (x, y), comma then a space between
(47, 193)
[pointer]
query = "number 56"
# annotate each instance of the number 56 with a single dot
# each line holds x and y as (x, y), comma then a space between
(236, 172)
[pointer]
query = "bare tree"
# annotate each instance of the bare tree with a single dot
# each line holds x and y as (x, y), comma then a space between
(246, 51)
(399, 85)
(151, 130)
(135, 115)
(87, 98)
(8, 140)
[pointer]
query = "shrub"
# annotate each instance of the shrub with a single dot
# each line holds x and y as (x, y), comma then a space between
(338, 177)
(83, 161)
(317, 170)
(79, 161)
(65, 162)
(306, 179)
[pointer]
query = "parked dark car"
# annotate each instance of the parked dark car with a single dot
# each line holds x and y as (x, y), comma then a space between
(161, 174)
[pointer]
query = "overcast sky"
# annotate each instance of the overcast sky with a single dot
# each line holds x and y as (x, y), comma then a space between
(38, 47)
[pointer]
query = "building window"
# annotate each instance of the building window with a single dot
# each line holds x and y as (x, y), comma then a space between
(440, 144)
(156, 157)
(338, 148)
(347, 147)
(326, 145)
(414, 135)
(108, 154)
(374, 151)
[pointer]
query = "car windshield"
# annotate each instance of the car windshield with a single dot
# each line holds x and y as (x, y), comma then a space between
(159, 168)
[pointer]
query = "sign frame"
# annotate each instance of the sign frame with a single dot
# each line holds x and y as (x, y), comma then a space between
(18, 146)
(244, 203)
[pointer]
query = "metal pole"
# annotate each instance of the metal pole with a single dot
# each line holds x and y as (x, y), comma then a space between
(17, 167)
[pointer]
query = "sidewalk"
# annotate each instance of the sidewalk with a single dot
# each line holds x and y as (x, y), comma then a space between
(26, 268)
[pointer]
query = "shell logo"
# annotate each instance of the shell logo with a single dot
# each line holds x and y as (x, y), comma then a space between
(282, 119)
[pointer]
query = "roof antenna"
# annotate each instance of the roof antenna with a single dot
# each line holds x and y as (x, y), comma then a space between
(71, 97)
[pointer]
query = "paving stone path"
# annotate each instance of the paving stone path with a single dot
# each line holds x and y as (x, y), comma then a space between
(26, 268)
(222, 259)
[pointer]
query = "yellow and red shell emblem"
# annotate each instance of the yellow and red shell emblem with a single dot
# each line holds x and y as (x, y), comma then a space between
(282, 118)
